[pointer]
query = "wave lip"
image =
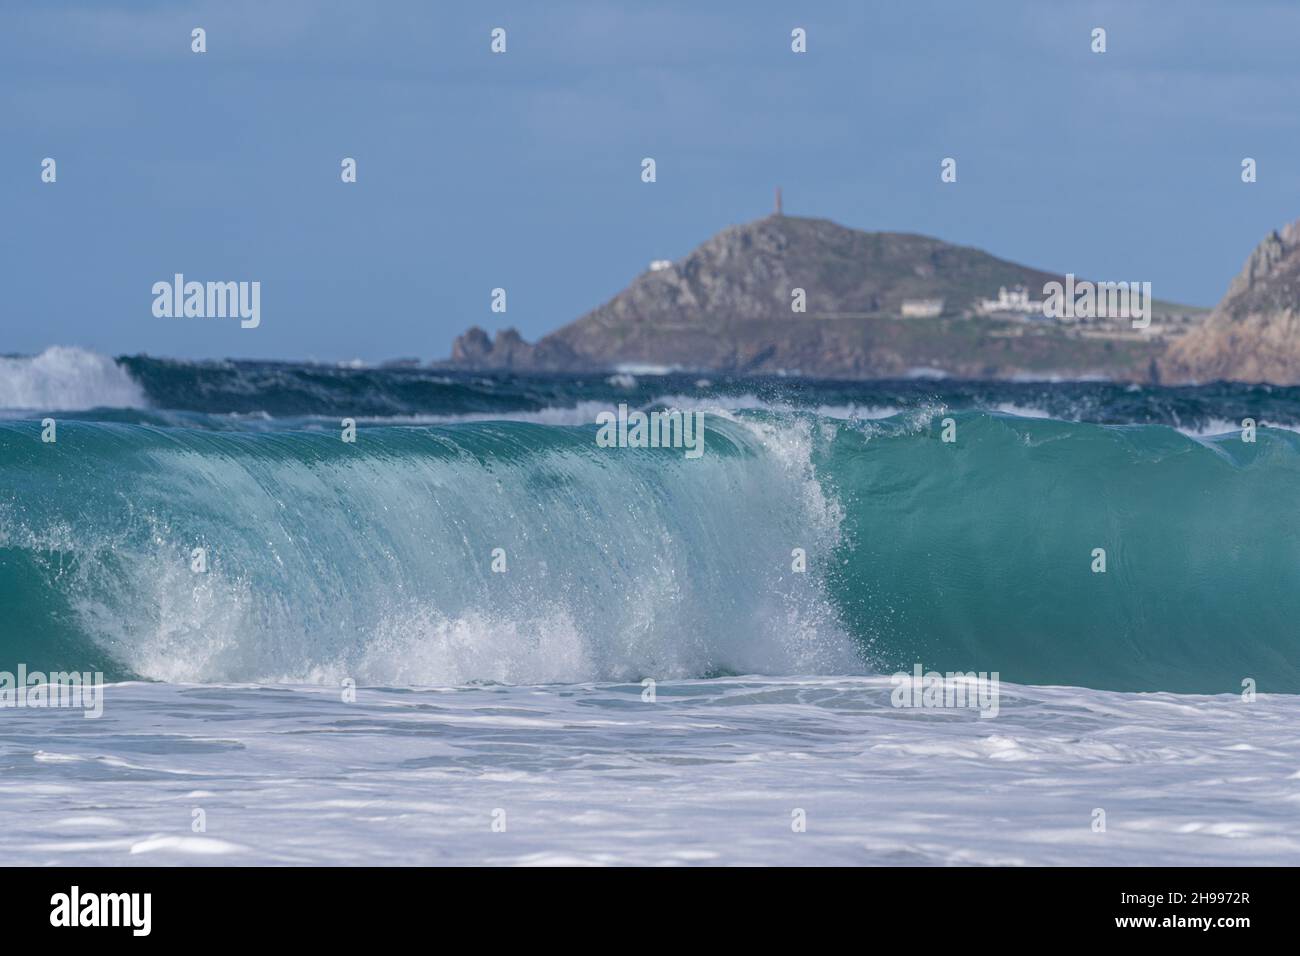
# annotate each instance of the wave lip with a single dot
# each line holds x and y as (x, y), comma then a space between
(66, 378)
(506, 552)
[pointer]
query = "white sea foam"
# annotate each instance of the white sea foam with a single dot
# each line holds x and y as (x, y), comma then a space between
(749, 402)
(64, 378)
(641, 368)
(1022, 411)
(710, 772)
(1212, 428)
(585, 412)
(1215, 427)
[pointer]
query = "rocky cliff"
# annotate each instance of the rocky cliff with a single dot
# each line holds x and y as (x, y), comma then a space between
(1253, 335)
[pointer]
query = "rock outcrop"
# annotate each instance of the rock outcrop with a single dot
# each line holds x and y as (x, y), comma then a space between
(474, 350)
(1253, 335)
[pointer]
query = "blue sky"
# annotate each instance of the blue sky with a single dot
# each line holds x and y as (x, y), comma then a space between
(522, 170)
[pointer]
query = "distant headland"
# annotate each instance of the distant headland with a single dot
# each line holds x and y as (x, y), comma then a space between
(793, 295)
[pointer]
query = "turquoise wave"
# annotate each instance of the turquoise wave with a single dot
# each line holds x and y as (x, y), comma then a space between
(524, 553)
(979, 554)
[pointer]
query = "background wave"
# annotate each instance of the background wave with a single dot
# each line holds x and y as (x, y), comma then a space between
(67, 378)
(248, 395)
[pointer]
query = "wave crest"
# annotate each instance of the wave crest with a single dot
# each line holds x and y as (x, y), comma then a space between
(375, 561)
(64, 378)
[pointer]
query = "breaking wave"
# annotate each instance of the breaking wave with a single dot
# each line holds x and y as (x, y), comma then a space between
(64, 378)
(375, 560)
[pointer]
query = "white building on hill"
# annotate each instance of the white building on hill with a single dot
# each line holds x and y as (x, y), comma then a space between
(1015, 299)
(922, 308)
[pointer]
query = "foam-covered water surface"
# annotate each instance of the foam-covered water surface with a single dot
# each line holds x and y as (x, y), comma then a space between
(711, 771)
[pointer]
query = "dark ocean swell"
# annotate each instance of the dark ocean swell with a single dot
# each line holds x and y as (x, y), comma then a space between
(230, 395)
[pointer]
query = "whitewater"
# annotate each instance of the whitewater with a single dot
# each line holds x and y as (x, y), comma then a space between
(474, 636)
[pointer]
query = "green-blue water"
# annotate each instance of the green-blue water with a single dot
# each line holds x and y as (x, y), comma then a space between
(377, 559)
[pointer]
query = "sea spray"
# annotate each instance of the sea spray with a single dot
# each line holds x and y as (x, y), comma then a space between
(375, 560)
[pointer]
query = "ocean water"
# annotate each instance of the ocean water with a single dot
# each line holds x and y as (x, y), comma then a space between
(473, 635)
(712, 772)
